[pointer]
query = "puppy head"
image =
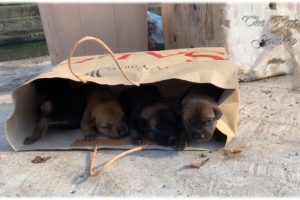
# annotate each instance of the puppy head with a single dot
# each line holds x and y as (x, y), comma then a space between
(47, 105)
(160, 123)
(109, 119)
(200, 119)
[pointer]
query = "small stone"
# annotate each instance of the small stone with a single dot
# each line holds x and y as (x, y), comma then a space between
(40, 159)
(164, 186)
(202, 155)
(266, 91)
(296, 154)
(73, 192)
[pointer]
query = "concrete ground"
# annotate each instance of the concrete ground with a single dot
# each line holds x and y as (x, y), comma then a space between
(268, 164)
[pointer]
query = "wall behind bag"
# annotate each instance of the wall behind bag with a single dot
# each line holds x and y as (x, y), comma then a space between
(123, 27)
(261, 39)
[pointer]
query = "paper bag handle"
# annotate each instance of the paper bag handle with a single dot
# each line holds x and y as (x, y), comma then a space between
(102, 44)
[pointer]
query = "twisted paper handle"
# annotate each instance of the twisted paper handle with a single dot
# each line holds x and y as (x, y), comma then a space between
(109, 163)
(102, 44)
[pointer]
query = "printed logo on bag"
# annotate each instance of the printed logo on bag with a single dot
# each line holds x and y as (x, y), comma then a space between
(186, 56)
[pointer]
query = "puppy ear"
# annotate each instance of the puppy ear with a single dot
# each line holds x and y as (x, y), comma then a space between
(218, 112)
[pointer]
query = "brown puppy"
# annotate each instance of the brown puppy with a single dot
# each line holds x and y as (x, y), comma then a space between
(200, 112)
(103, 114)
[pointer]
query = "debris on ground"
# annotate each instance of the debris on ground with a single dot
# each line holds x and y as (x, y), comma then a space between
(200, 164)
(40, 159)
(266, 91)
(232, 153)
(73, 192)
(229, 152)
(195, 164)
(202, 155)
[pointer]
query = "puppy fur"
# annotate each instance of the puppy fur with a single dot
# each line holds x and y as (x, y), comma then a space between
(149, 116)
(200, 112)
(60, 104)
(103, 114)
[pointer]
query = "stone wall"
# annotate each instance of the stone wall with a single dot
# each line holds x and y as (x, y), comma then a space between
(20, 23)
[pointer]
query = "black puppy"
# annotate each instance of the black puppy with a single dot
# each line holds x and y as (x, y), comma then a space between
(200, 111)
(60, 104)
(148, 115)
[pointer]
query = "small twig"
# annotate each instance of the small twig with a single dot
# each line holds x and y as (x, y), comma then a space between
(229, 152)
(109, 163)
(200, 164)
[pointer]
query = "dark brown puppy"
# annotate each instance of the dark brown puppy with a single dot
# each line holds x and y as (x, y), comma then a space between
(60, 104)
(103, 114)
(200, 111)
(149, 116)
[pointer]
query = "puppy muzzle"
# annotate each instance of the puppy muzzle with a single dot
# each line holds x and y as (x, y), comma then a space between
(122, 130)
(202, 136)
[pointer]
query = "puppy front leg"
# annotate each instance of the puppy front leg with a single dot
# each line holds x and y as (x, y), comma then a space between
(86, 125)
(135, 136)
(40, 130)
(182, 140)
(180, 144)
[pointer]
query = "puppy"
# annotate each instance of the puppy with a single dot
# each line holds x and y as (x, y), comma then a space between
(103, 114)
(149, 115)
(60, 104)
(200, 112)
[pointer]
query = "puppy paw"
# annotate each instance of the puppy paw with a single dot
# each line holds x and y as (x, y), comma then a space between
(179, 146)
(137, 141)
(30, 140)
(89, 138)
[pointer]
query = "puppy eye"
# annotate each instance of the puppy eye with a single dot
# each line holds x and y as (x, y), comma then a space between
(209, 121)
(108, 126)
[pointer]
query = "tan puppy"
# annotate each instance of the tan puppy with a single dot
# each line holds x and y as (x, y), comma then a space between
(103, 114)
(200, 111)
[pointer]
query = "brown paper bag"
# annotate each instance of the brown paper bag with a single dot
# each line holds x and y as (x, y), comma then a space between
(173, 71)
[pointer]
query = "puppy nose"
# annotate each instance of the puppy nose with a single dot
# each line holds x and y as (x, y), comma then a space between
(199, 136)
(122, 132)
